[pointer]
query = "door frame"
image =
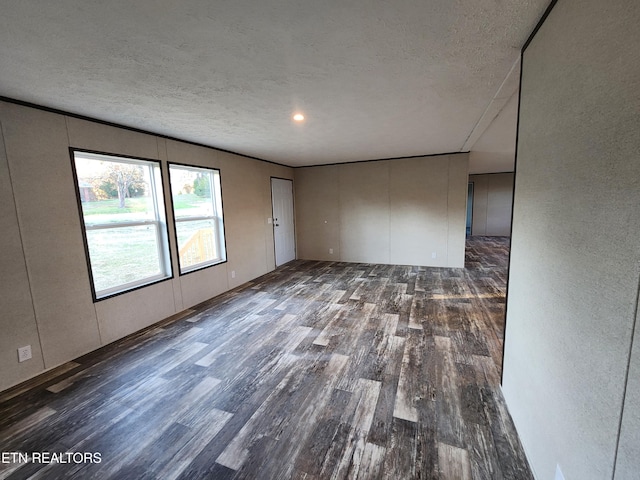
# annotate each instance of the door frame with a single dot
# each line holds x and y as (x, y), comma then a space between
(469, 211)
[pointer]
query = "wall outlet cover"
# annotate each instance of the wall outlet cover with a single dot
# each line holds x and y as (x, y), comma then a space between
(24, 353)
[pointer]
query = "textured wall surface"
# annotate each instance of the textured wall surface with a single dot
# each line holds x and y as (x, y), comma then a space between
(37, 147)
(46, 297)
(492, 201)
(628, 460)
(317, 205)
(399, 211)
(17, 319)
(574, 261)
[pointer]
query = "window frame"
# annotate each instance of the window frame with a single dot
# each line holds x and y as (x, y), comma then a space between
(220, 233)
(161, 224)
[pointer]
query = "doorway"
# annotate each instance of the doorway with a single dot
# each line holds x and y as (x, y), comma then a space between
(283, 220)
(469, 209)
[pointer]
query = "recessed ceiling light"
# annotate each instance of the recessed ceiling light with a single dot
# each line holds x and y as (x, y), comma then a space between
(298, 117)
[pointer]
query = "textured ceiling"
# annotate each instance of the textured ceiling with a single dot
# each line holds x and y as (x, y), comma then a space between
(375, 79)
(495, 150)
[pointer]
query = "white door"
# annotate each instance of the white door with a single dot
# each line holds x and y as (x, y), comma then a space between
(283, 222)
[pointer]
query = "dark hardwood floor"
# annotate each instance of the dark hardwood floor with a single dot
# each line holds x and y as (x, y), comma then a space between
(317, 370)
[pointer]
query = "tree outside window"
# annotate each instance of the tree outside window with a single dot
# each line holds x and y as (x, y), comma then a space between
(123, 214)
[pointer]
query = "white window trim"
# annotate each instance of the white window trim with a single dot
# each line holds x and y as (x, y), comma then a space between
(160, 222)
(217, 217)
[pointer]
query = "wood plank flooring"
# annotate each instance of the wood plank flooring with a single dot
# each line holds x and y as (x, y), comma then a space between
(317, 370)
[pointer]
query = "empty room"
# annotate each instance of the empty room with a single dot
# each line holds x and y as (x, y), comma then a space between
(320, 240)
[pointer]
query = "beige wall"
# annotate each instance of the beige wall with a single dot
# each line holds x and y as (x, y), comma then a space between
(574, 273)
(391, 211)
(46, 296)
(492, 201)
(17, 317)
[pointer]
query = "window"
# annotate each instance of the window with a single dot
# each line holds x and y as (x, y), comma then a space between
(197, 209)
(123, 214)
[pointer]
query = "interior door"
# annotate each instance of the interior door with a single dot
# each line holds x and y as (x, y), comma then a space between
(283, 220)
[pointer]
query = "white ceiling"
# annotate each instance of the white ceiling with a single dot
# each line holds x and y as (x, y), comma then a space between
(375, 79)
(494, 151)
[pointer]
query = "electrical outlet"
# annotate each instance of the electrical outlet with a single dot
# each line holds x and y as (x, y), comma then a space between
(24, 353)
(433, 255)
(233, 274)
(331, 251)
